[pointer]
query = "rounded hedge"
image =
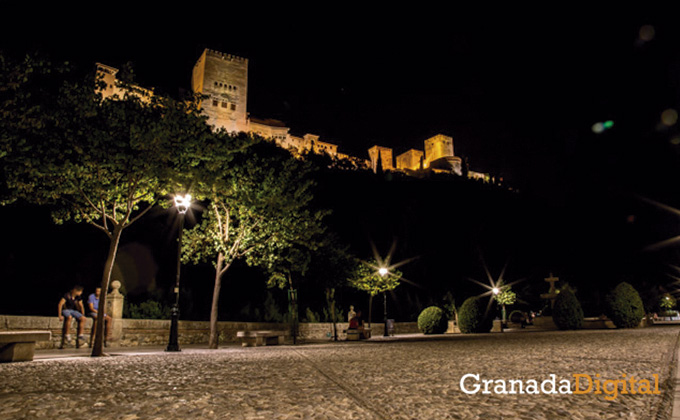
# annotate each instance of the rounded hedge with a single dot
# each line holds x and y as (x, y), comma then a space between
(624, 306)
(472, 317)
(567, 312)
(432, 320)
(517, 316)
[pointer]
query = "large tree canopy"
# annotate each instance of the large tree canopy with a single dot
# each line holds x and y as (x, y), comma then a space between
(105, 162)
(257, 209)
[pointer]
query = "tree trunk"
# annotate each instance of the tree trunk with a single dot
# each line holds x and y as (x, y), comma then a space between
(330, 297)
(293, 309)
(213, 342)
(370, 310)
(97, 348)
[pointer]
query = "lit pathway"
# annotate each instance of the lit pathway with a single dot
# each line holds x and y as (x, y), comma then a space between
(397, 379)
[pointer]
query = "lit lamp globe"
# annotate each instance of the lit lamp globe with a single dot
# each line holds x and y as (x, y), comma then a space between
(183, 202)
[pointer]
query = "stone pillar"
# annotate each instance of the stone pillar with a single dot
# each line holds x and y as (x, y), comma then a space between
(114, 302)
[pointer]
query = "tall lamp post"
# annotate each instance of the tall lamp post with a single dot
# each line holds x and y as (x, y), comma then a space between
(383, 272)
(182, 202)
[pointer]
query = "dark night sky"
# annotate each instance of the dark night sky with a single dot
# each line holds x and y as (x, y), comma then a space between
(518, 90)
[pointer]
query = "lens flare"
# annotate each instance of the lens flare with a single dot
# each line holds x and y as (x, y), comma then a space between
(647, 33)
(669, 117)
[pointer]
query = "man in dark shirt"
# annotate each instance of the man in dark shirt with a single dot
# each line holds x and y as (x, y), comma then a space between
(71, 306)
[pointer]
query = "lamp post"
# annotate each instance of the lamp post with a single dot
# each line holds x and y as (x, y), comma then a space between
(383, 272)
(182, 203)
(497, 291)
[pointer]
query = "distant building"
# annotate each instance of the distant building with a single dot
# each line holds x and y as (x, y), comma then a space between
(411, 159)
(112, 86)
(382, 154)
(222, 79)
(269, 128)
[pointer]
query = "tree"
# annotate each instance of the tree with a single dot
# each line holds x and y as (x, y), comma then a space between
(105, 162)
(367, 278)
(472, 317)
(257, 208)
(567, 313)
(505, 296)
(667, 302)
(624, 306)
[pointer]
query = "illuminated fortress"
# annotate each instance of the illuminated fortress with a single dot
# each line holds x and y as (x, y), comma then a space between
(222, 80)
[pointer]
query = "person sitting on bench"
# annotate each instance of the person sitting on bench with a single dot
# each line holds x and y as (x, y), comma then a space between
(357, 323)
(93, 308)
(71, 306)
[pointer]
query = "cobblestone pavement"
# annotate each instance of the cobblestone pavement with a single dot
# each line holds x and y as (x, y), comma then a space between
(400, 379)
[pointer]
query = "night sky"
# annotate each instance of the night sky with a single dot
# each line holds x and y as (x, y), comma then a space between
(517, 89)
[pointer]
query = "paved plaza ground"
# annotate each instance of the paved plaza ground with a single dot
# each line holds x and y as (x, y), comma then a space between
(396, 378)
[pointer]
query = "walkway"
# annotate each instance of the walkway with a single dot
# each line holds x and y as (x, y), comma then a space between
(387, 378)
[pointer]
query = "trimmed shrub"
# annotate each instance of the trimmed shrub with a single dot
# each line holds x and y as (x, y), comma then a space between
(472, 317)
(567, 313)
(624, 306)
(517, 316)
(433, 320)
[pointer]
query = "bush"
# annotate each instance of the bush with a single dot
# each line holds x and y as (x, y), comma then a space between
(624, 306)
(311, 316)
(150, 309)
(517, 316)
(567, 312)
(472, 317)
(433, 320)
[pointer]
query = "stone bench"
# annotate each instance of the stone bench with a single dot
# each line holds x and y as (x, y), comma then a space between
(261, 338)
(353, 334)
(19, 346)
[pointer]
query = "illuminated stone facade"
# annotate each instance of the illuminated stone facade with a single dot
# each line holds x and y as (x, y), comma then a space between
(384, 154)
(223, 80)
(438, 147)
(412, 159)
(113, 87)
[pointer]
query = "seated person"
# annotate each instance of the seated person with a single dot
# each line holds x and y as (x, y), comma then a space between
(357, 323)
(93, 307)
(71, 306)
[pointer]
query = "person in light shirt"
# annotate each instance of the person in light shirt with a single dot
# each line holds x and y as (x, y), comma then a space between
(93, 308)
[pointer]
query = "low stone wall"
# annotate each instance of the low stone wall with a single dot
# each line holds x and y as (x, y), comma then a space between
(595, 323)
(151, 332)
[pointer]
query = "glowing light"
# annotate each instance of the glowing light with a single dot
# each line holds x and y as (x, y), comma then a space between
(496, 290)
(669, 117)
(600, 127)
(183, 202)
(666, 242)
(383, 271)
(647, 33)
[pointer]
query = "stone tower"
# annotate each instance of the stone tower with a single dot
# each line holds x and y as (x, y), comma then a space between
(411, 159)
(439, 154)
(437, 147)
(384, 154)
(223, 78)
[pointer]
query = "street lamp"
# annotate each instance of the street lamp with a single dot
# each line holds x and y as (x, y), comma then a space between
(383, 272)
(183, 203)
